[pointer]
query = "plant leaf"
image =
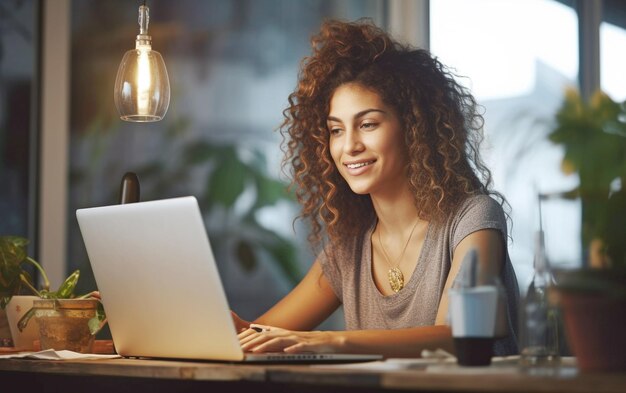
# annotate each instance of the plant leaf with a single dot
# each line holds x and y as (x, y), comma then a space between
(66, 290)
(284, 252)
(199, 152)
(245, 255)
(21, 324)
(97, 323)
(269, 191)
(281, 250)
(227, 181)
(12, 254)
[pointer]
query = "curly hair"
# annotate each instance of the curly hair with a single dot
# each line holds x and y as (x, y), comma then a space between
(440, 118)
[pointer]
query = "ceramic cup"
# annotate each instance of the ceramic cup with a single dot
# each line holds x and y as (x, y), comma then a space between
(473, 320)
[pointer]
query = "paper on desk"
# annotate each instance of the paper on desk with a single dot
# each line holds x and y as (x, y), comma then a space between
(428, 359)
(437, 361)
(391, 364)
(51, 354)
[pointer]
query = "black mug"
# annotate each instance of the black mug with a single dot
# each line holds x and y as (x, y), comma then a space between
(473, 351)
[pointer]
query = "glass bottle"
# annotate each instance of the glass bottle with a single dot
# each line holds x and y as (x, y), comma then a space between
(540, 320)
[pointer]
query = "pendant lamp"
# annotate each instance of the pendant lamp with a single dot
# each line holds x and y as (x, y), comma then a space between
(142, 88)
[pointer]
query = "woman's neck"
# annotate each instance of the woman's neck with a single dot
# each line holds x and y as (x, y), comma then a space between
(395, 211)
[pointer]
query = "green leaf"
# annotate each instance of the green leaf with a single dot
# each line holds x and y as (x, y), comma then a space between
(12, 251)
(594, 137)
(269, 191)
(227, 181)
(284, 252)
(245, 255)
(178, 126)
(97, 323)
(21, 324)
(12, 255)
(199, 152)
(4, 300)
(66, 290)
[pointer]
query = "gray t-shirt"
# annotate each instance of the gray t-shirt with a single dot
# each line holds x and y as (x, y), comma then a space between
(348, 270)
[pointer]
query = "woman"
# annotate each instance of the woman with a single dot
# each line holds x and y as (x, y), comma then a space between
(383, 145)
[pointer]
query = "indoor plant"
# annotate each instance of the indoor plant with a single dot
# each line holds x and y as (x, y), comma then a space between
(15, 280)
(593, 298)
(15, 289)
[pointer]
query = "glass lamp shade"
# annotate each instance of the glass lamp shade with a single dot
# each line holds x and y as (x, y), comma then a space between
(142, 87)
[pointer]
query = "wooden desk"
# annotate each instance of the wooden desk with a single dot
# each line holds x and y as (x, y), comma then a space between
(139, 375)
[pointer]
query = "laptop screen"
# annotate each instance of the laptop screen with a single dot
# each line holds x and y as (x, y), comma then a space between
(160, 287)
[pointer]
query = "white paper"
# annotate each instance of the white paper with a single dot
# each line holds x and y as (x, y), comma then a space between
(429, 357)
(443, 362)
(51, 354)
(383, 365)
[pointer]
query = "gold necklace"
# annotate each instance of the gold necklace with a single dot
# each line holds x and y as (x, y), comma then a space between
(394, 274)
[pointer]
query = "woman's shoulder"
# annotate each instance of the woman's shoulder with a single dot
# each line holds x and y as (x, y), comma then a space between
(480, 206)
(476, 212)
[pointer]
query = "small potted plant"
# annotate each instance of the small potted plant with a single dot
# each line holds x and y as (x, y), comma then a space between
(43, 304)
(16, 296)
(593, 298)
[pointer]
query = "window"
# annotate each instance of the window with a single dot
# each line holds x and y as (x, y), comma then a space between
(612, 49)
(518, 57)
(19, 36)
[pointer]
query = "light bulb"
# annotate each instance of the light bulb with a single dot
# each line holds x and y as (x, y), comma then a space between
(143, 82)
(142, 87)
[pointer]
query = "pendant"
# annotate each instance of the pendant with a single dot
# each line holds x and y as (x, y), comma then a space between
(396, 279)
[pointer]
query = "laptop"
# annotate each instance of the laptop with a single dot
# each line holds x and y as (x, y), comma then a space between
(160, 286)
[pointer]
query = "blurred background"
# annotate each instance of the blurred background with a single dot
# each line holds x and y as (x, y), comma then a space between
(232, 64)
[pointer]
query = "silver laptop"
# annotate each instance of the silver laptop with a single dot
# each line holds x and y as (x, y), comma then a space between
(160, 287)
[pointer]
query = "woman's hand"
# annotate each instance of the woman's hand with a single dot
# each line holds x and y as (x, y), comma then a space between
(261, 338)
(240, 324)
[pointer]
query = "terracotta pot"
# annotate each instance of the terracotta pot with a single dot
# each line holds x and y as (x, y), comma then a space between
(596, 330)
(63, 323)
(18, 306)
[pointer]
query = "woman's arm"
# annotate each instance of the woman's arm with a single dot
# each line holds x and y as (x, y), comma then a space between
(489, 244)
(391, 343)
(306, 306)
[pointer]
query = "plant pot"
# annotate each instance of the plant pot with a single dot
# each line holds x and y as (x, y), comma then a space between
(6, 340)
(595, 325)
(63, 323)
(18, 306)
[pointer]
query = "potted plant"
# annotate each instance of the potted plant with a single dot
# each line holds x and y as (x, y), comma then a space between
(16, 281)
(16, 297)
(593, 298)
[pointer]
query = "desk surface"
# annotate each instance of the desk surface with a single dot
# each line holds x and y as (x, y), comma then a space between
(500, 377)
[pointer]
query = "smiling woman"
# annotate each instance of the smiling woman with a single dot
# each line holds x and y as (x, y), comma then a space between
(365, 138)
(382, 143)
